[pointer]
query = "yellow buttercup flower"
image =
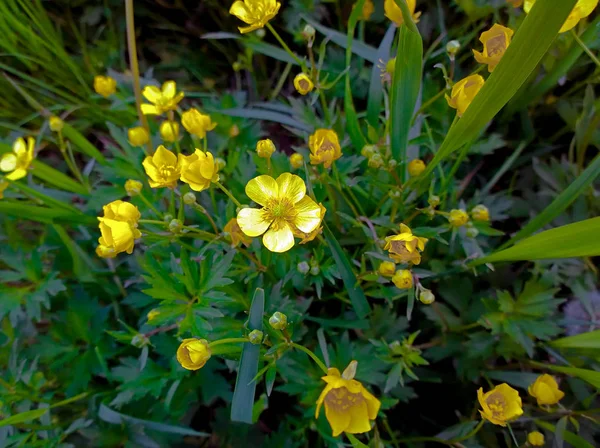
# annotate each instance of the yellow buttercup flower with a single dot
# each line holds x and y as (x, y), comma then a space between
(286, 209)
(416, 167)
(193, 353)
(163, 99)
(387, 268)
(308, 237)
(495, 42)
(169, 131)
(458, 217)
(3, 186)
(480, 213)
(403, 279)
(55, 123)
(265, 148)
(405, 247)
(303, 84)
(297, 160)
(105, 85)
(367, 10)
(500, 405)
(582, 9)
(17, 162)
(349, 407)
(545, 390)
(138, 136)
(163, 168)
(199, 170)
(463, 93)
(256, 13)
(394, 13)
(133, 187)
(535, 438)
(119, 230)
(236, 234)
(324, 147)
(197, 123)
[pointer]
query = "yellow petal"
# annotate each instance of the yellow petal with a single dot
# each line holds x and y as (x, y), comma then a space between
(240, 10)
(359, 419)
(338, 420)
(8, 162)
(19, 146)
(309, 215)
(252, 221)
(17, 174)
(149, 109)
(261, 189)
(373, 404)
(164, 157)
(279, 238)
(321, 399)
(151, 93)
(168, 90)
(291, 187)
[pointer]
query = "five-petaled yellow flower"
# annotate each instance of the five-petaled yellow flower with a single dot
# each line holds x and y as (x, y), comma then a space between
(394, 13)
(119, 230)
(582, 9)
(349, 407)
(535, 438)
(17, 162)
(303, 84)
(105, 85)
(199, 170)
(324, 147)
(286, 209)
(162, 100)
(495, 42)
(138, 136)
(463, 93)
(163, 168)
(197, 123)
(256, 13)
(500, 405)
(405, 247)
(545, 390)
(236, 234)
(193, 353)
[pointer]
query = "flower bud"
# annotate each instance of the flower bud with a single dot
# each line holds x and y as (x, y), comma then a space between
(426, 296)
(394, 193)
(255, 337)
(265, 148)
(189, 198)
(55, 123)
(175, 226)
(368, 151)
(169, 131)
(139, 340)
(234, 131)
(387, 268)
(458, 218)
(416, 167)
(535, 438)
(472, 232)
(296, 160)
(303, 267)
(105, 85)
(403, 279)
(220, 162)
(193, 353)
(237, 66)
(392, 164)
(260, 33)
(315, 270)
(480, 213)
(133, 187)
(390, 66)
(308, 32)
(434, 201)
(138, 136)
(376, 161)
(452, 48)
(278, 321)
(168, 217)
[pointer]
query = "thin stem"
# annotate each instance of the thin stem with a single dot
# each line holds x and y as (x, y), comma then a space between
(203, 211)
(228, 193)
(228, 341)
(312, 355)
(73, 167)
(585, 48)
(284, 45)
(149, 205)
(326, 114)
(512, 434)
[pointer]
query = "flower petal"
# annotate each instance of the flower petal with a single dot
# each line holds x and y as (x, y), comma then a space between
(149, 109)
(17, 174)
(279, 238)
(168, 90)
(8, 162)
(339, 420)
(151, 93)
(164, 157)
(19, 147)
(359, 419)
(239, 10)
(261, 189)
(309, 215)
(252, 221)
(291, 187)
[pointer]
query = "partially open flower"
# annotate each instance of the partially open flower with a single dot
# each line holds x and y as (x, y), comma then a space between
(500, 405)
(265, 148)
(138, 136)
(405, 247)
(197, 123)
(403, 279)
(463, 93)
(163, 168)
(256, 13)
(163, 99)
(416, 167)
(582, 9)
(495, 42)
(199, 170)
(193, 353)
(303, 84)
(394, 13)
(17, 162)
(545, 390)
(324, 147)
(387, 268)
(105, 85)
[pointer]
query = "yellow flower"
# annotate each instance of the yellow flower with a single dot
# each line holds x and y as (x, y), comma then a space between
(236, 234)
(55, 123)
(367, 10)
(515, 3)
(500, 405)
(394, 13)
(463, 93)
(545, 390)
(133, 187)
(234, 131)
(17, 162)
(163, 168)
(138, 136)
(387, 268)
(169, 131)
(458, 217)
(297, 160)
(403, 279)
(405, 247)
(256, 13)
(495, 42)
(3, 186)
(535, 438)
(152, 314)
(480, 213)
(416, 167)
(197, 123)
(105, 85)
(582, 9)
(303, 84)
(163, 99)
(199, 170)
(193, 353)
(119, 230)
(286, 209)
(324, 147)
(265, 148)
(349, 407)
(308, 237)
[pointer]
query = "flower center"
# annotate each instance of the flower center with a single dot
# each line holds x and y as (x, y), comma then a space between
(341, 399)
(496, 402)
(326, 146)
(280, 209)
(167, 171)
(496, 45)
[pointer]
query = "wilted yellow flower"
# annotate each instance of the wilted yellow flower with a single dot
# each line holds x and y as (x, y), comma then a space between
(236, 234)
(303, 84)
(133, 187)
(403, 279)
(394, 13)
(545, 390)
(405, 247)
(495, 42)
(119, 230)
(55, 123)
(463, 93)
(324, 147)
(349, 407)
(199, 170)
(193, 353)
(17, 162)
(515, 3)
(387, 268)
(163, 168)
(105, 85)
(535, 438)
(169, 131)
(197, 123)
(297, 160)
(308, 237)
(265, 148)
(138, 136)
(480, 213)
(286, 209)
(163, 99)
(367, 10)
(256, 13)
(458, 217)
(3, 186)
(582, 9)
(416, 167)
(500, 405)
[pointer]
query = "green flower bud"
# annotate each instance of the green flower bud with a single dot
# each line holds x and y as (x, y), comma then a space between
(278, 321)
(175, 226)
(255, 337)
(303, 267)
(426, 296)
(189, 198)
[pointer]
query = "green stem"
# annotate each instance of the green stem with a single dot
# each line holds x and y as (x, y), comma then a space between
(149, 205)
(314, 357)
(471, 434)
(284, 45)
(408, 20)
(228, 193)
(228, 341)
(585, 48)
(326, 113)
(73, 167)
(512, 434)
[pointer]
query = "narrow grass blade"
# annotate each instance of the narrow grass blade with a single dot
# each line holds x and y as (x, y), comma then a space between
(82, 143)
(267, 115)
(590, 376)
(569, 437)
(82, 263)
(375, 85)
(56, 178)
(23, 417)
(584, 340)
(44, 214)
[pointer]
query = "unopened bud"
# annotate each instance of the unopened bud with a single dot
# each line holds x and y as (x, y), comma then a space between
(139, 340)
(261, 32)
(133, 187)
(315, 270)
(175, 226)
(189, 198)
(168, 217)
(221, 163)
(308, 32)
(426, 296)
(255, 337)
(234, 130)
(368, 151)
(452, 47)
(376, 161)
(55, 123)
(237, 66)
(472, 232)
(434, 201)
(303, 267)
(392, 164)
(278, 321)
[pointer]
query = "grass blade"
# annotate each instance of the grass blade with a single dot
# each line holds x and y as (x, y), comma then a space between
(590, 376)
(583, 340)
(375, 85)
(82, 143)
(56, 178)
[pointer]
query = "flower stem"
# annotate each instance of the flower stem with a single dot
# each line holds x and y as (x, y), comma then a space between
(284, 45)
(228, 341)
(314, 357)
(228, 193)
(585, 48)
(149, 205)
(512, 434)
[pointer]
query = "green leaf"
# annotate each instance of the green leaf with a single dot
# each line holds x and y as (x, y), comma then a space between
(82, 263)
(44, 214)
(266, 115)
(568, 436)
(591, 376)
(56, 178)
(375, 85)
(584, 340)
(23, 417)
(82, 143)
(245, 386)
(517, 379)
(269, 50)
